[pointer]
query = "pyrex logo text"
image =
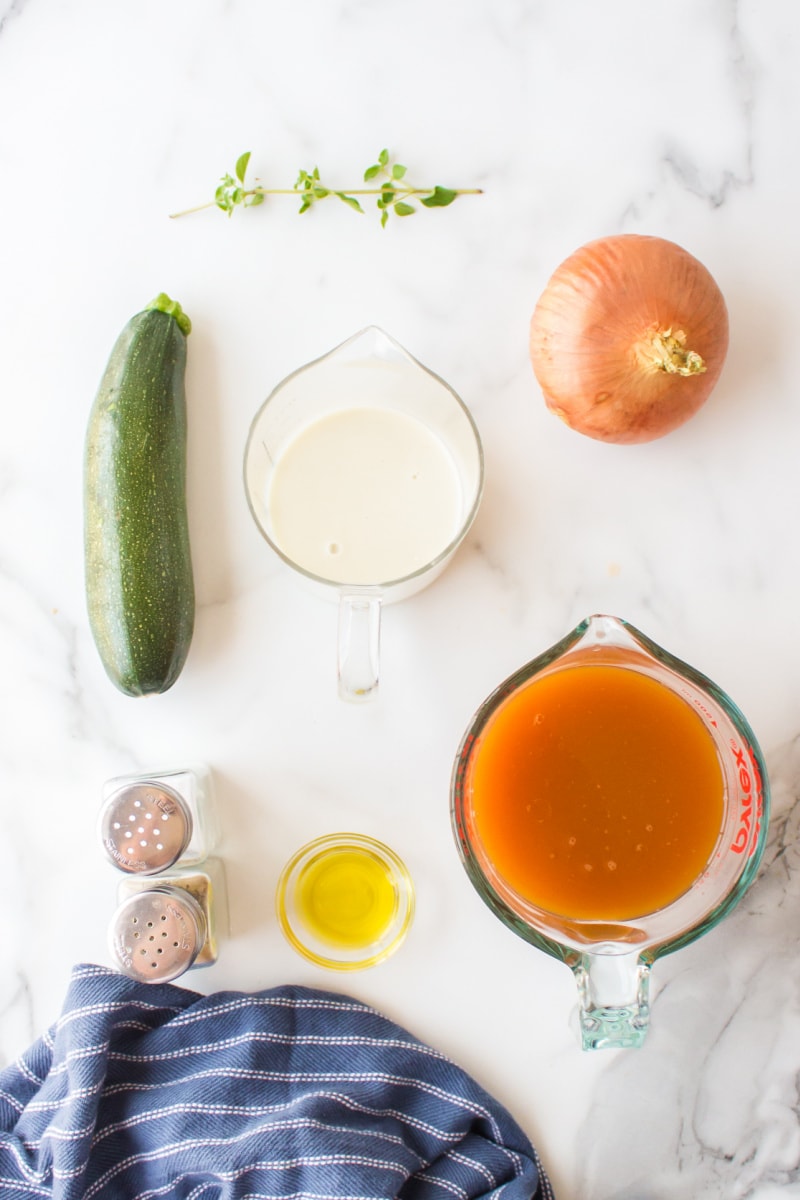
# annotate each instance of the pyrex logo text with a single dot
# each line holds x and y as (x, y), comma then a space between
(750, 800)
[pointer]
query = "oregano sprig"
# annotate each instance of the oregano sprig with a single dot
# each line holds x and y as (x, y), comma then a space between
(392, 192)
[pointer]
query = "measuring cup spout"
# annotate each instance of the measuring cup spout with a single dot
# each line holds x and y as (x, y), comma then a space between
(614, 998)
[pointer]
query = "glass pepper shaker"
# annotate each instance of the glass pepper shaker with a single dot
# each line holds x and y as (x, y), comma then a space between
(162, 928)
(152, 822)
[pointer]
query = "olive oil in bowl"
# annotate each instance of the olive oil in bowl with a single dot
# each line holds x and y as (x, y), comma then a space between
(345, 901)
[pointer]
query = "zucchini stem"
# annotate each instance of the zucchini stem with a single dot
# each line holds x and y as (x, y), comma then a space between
(162, 303)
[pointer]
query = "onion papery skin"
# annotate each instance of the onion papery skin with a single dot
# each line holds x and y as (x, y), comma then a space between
(594, 324)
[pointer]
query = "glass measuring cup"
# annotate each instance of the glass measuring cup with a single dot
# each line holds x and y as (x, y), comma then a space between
(612, 947)
(364, 471)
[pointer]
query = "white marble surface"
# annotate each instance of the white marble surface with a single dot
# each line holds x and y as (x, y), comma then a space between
(578, 119)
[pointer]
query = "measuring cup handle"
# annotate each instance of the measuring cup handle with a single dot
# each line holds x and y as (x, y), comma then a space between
(359, 645)
(614, 996)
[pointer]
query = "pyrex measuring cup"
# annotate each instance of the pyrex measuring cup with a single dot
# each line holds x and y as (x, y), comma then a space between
(364, 471)
(610, 805)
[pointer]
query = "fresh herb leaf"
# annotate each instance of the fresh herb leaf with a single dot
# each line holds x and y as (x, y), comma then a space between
(440, 197)
(351, 200)
(223, 197)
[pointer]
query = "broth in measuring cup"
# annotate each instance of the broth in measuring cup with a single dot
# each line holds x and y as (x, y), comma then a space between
(596, 793)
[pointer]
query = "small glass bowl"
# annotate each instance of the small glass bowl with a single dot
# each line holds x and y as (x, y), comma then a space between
(345, 901)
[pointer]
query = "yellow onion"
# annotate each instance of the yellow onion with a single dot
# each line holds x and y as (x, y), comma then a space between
(628, 338)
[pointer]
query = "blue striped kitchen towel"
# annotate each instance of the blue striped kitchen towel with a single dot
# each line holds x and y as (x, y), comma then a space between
(156, 1092)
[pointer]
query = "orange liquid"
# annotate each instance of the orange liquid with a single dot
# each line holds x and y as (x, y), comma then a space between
(597, 793)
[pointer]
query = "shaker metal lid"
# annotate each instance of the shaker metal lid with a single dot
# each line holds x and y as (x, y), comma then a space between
(157, 933)
(145, 827)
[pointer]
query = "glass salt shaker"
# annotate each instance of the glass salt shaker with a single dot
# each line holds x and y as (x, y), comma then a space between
(152, 822)
(163, 928)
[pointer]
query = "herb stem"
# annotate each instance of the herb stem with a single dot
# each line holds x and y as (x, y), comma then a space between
(400, 193)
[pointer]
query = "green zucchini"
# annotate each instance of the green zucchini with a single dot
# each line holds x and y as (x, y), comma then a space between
(139, 581)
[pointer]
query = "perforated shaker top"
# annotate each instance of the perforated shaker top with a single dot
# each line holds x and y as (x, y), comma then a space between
(157, 933)
(145, 827)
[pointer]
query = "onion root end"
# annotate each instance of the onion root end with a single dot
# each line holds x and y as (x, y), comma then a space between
(666, 351)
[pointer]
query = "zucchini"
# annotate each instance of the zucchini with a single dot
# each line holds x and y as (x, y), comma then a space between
(139, 582)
